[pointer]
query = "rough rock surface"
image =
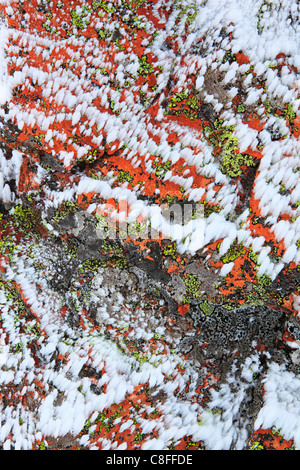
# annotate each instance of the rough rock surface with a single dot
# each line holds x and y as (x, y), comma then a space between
(123, 324)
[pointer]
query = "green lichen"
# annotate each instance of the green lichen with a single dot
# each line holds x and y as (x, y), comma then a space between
(265, 7)
(80, 18)
(228, 57)
(71, 248)
(271, 109)
(125, 176)
(102, 225)
(7, 246)
(139, 437)
(262, 291)
(232, 161)
(209, 209)
(241, 108)
(92, 265)
(104, 33)
(104, 5)
(233, 253)
(49, 28)
(136, 229)
(193, 102)
(252, 256)
(144, 67)
(33, 195)
(26, 219)
(188, 12)
(171, 250)
(256, 446)
(289, 113)
(192, 286)
(264, 280)
(186, 104)
(20, 312)
(42, 446)
(226, 149)
(64, 210)
(120, 261)
(105, 421)
(207, 308)
(177, 98)
(161, 168)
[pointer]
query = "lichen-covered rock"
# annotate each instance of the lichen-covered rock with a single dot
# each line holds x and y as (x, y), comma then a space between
(149, 226)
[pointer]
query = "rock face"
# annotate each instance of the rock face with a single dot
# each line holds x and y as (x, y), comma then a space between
(150, 229)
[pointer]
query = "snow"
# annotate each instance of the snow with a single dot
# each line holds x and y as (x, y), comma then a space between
(276, 192)
(281, 407)
(5, 87)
